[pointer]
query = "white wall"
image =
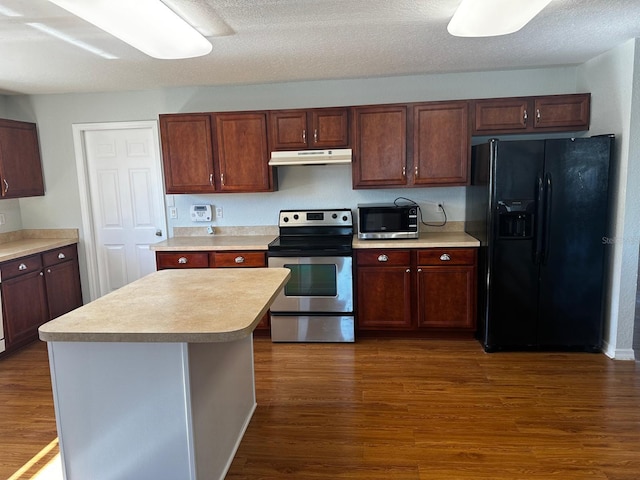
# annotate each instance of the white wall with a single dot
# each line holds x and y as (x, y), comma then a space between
(614, 80)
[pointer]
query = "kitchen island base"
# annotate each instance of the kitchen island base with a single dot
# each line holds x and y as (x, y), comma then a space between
(151, 410)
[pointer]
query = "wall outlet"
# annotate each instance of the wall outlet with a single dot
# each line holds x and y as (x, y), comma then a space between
(218, 212)
(173, 212)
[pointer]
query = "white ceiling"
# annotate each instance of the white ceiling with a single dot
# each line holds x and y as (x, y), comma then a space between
(286, 40)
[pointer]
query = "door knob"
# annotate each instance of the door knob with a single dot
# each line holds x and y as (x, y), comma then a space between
(158, 233)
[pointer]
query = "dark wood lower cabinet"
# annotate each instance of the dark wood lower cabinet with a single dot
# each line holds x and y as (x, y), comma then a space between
(24, 303)
(427, 292)
(36, 289)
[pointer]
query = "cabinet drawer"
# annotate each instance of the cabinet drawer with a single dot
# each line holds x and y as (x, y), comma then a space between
(20, 266)
(59, 255)
(447, 256)
(384, 257)
(238, 259)
(182, 260)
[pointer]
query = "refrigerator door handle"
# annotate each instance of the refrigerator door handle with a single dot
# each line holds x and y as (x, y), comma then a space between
(548, 195)
(539, 228)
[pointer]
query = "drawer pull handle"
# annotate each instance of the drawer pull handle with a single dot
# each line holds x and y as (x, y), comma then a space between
(383, 258)
(182, 260)
(48, 270)
(239, 259)
(445, 257)
(61, 256)
(22, 266)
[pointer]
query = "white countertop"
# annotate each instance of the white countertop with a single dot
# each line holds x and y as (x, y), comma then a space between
(200, 305)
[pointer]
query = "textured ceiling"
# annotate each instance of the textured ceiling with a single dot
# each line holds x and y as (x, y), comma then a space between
(263, 41)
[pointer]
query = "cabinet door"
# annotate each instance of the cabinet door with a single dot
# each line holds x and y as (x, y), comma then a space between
(242, 152)
(288, 129)
(187, 153)
(501, 115)
(62, 283)
(380, 146)
(441, 137)
(329, 128)
(562, 112)
(24, 305)
(383, 281)
(384, 298)
(446, 297)
(20, 163)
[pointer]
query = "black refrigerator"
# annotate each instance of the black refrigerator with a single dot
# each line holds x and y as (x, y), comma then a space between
(539, 209)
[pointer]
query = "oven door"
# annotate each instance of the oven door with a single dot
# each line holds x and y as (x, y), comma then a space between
(317, 284)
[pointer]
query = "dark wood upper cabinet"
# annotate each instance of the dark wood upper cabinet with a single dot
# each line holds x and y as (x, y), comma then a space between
(441, 143)
(240, 162)
(187, 153)
(242, 152)
(557, 113)
(438, 137)
(20, 163)
(379, 146)
(309, 128)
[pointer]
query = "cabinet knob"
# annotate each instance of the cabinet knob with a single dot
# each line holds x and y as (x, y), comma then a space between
(158, 233)
(211, 179)
(525, 116)
(48, 270)
(182, 260)
(6, 185)
(61, 256)
(537, 115)
(419, 270)
(22, 266)
(404, 171)
(445, 257)
(383, 258)
(408, 270)
(239, 259)
(416, 171)
(304, 136)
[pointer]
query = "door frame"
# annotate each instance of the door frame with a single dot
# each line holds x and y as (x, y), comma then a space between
(88, 232)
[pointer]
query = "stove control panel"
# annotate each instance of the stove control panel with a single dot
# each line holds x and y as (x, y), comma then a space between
(315, 218)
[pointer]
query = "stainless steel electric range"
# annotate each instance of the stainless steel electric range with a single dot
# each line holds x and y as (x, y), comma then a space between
(316, 304)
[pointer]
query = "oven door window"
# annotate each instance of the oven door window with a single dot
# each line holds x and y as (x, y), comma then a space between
(316, 280)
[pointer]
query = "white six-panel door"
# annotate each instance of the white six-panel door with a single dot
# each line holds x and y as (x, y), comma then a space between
(126, 202)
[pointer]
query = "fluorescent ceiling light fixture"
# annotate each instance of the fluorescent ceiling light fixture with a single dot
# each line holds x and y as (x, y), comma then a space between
(148, 25)
(73, 41)
(488, 18)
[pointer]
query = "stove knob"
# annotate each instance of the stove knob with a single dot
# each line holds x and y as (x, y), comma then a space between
(345, 218)
(285, 219)
(334, 216)
(296, 217)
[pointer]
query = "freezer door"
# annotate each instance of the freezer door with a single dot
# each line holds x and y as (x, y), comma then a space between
(513, 275)
(571, 274)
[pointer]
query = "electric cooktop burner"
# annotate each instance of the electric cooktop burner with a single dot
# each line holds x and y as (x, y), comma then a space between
(322, 231)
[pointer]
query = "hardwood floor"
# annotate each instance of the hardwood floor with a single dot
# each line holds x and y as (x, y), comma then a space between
(398, 409)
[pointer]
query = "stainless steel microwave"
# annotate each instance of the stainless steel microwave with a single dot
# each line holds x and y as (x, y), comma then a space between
(387, 221)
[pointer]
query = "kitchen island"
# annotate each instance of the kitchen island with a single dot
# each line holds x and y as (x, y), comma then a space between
(155, 380)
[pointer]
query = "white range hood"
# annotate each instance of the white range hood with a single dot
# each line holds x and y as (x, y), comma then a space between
(311, 157)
